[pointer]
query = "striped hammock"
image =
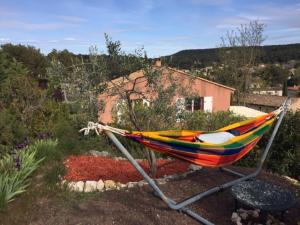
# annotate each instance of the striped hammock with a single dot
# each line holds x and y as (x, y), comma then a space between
(211, 149)
(187, 144)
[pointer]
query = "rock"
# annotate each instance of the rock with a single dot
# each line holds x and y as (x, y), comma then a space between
(119, 158)
(90, 186)
(110, 185)
(269, 222)
(120, 185)
(97, 153)
(76, 186)
(161, 181)
(195, 167)
(100, 185)
(235, 218)
(244, 215)
(131, 184)
(142, 183)
(255, 213)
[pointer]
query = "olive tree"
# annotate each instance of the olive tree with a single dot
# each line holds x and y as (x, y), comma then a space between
(239, 54)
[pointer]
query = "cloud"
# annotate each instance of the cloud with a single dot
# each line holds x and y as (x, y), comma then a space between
(5, 40)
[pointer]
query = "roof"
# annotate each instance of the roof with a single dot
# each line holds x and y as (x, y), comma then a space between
(138, 74)
(200, 78)
(265, 100)
(245, 111)
(294, 88)
(121, 80)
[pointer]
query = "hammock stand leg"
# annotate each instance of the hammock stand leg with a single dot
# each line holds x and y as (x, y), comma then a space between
(182, 206)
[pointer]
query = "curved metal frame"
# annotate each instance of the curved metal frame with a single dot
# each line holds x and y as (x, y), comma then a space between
(182, 206)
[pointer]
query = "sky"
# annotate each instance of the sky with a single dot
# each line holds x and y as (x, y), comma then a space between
(162, 27)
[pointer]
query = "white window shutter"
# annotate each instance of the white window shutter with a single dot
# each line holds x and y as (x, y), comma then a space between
(208, 104)
(146, 102)
(180, 107)
(120, 108)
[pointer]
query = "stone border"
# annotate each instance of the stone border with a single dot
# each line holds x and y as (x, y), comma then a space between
(107, 185)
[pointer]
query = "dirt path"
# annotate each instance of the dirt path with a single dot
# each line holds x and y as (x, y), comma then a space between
(132, 207)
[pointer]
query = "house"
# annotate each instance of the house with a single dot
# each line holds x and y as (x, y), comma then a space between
(268, 91)
(268, 103)
(200, 93)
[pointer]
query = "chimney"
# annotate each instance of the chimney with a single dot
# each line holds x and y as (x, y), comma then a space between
(157, 62)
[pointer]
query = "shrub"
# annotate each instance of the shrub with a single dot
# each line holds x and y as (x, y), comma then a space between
(46, 149)
(14, 178)
(14, 181)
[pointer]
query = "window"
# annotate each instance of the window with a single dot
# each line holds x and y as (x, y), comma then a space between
(193, 104)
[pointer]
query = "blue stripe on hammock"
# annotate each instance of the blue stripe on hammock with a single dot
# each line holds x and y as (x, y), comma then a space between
(192, 149)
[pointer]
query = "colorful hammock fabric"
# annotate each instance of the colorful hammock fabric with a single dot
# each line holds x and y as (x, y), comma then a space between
(184, 144)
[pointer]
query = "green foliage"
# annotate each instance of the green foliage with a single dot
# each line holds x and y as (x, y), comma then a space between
(34, 61)
(53, 174)
(187, 59)
(46, 149)
(273, 76)
(206, 121)
(284, 156)
(14, 181)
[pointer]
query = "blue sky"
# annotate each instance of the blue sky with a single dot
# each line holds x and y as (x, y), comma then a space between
(162, 26)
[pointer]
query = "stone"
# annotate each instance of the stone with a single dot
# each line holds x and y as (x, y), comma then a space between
(76, 186)
(98, 153)
(255, 213)
(110, 185)
(90, 186)
(100, 185)
(235, 217)
(119, 158)
(142, 183)
(161, 181)
(269, 222)
(131, 184)
(244, 215)
(121, 185)
(195, 167)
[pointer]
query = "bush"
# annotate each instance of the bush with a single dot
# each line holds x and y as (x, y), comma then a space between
(46, 149)
(284, 155)
(14, 173)
(13, 181)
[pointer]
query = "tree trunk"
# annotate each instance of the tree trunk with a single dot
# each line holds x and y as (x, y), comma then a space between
(151, 158)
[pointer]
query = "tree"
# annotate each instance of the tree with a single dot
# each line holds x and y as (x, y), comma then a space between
(32, 59)
(274, 76)
(239, 53)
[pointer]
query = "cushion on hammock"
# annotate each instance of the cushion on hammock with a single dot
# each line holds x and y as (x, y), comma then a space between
(215, 138)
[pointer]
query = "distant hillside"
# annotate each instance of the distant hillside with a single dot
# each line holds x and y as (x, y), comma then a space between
(205, 57)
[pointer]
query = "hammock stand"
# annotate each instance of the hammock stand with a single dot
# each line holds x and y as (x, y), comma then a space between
(182, 206)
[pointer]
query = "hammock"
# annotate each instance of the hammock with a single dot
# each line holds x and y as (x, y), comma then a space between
(211, 149)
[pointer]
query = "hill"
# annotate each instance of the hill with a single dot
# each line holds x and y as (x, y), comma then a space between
(205, 57)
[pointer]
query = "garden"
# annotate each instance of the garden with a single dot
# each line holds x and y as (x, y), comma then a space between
(46, 100)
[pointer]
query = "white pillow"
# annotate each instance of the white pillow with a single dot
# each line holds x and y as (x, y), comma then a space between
(215, 138)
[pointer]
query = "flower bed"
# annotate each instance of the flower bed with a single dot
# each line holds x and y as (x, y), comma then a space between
(83, 168)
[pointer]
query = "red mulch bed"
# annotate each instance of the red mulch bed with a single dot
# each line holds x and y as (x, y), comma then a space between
(82, 168)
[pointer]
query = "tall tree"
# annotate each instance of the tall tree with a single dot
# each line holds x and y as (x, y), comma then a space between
(239, 54)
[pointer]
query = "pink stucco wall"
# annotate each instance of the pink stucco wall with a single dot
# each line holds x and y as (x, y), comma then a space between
(191, 85)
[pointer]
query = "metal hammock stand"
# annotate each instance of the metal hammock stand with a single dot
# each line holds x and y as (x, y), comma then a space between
(182, 206)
